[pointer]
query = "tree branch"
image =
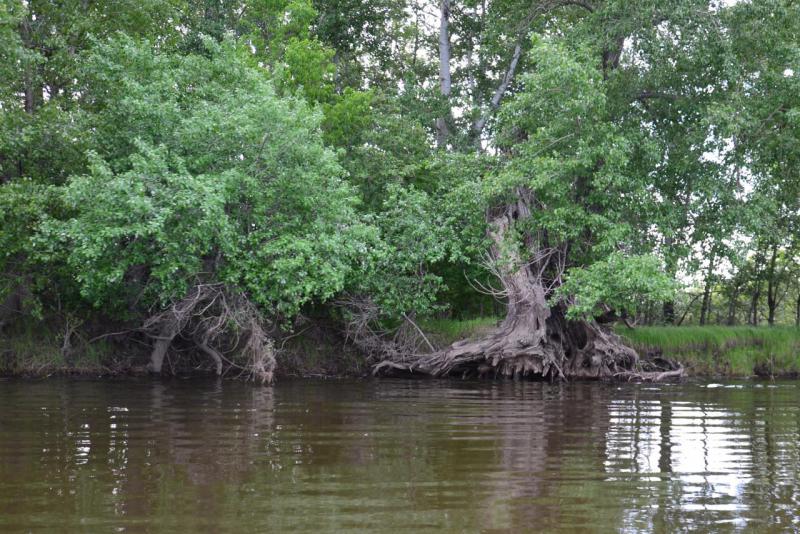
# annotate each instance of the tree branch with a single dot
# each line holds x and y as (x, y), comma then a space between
(480, 124)
(647, 95)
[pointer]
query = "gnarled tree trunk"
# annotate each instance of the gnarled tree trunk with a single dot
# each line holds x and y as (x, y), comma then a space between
(535, 339)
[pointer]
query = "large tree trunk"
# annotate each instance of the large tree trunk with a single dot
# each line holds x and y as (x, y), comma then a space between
(732, 301)
(442, 128)
(758, 275)
(33, 87)
(535, 339)
(668, 312)
(754, 300)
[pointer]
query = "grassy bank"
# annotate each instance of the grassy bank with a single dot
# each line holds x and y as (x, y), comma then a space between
(723, 350)
(443, 332)
(38, 352)
(34, 348)
(703, 350)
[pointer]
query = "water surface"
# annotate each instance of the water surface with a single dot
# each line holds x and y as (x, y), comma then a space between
(206, 456)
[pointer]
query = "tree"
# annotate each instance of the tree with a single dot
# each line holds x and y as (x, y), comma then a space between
(203, 186)
(558, 208)
(760, 117)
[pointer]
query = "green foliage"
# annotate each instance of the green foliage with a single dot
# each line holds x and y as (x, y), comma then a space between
(201, 173)
(623, 283)
(412, 237)
(286, 148)
(41, 54)
(23, 203)
(565, 148)
(382, 145)
(155, 216)
(307, 65)
(348, 118)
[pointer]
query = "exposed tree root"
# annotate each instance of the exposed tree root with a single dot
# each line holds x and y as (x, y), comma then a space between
(536, 339)
(583, 350)
(219, 323)
(557, 350)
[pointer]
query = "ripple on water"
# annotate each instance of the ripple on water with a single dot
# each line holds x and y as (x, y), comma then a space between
(398, 455)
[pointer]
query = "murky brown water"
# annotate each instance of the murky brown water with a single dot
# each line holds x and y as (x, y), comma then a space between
(79, 455)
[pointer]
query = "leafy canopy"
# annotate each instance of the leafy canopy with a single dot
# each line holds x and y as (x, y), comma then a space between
(200, 172)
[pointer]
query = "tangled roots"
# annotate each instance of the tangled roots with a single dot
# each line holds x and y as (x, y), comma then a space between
(220, 323)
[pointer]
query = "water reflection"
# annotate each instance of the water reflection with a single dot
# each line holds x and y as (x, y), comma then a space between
(414, 455)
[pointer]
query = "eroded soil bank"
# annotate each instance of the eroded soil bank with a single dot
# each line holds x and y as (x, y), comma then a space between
(34, 350)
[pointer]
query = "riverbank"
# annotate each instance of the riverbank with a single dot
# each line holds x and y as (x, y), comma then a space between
(733, 351)
(35, 349)
(728, 351)
(737, 351)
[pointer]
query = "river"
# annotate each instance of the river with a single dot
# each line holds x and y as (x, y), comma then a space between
(397, 455)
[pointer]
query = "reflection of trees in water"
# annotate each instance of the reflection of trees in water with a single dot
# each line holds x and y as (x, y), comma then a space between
(645, 458)
(504, 455)
(212, 435)
(716, 463)
(774, 427)
(373, 455)
(551, 452)
(132, 449)
(461, 456)
(203, 443)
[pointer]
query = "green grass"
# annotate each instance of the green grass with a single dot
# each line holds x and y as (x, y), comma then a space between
(725, 350)
(443, 332)
(704, 350)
